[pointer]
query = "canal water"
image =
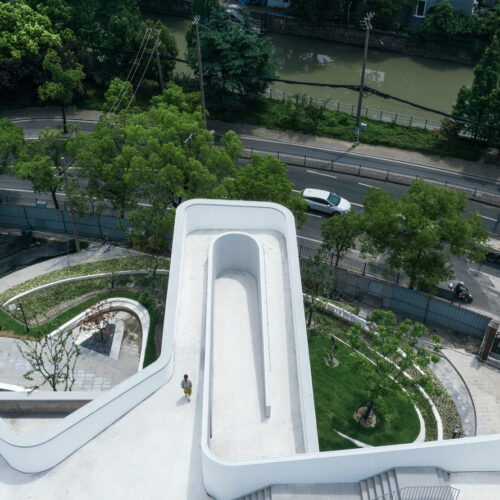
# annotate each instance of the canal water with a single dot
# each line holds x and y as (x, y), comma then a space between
(431, 83)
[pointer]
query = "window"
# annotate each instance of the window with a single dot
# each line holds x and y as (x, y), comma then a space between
(420, 12)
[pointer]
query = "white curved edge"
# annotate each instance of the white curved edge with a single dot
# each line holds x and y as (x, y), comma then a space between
(81, 278)
(38, 452)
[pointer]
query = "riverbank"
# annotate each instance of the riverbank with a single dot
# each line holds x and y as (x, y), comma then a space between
(309, 118)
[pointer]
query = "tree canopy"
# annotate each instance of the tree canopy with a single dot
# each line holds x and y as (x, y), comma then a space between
(65, 81)
(234, 59)
(481, 102)
(397, 348)
(418, 232)
(25, 32)
(11, 141)
(264, 179)
(339, 235)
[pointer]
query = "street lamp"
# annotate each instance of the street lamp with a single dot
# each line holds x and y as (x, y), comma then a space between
(366, 24)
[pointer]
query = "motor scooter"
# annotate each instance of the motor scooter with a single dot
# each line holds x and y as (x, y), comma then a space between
(465, 296)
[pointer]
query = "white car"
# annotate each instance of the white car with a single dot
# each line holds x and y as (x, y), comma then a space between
(325, 201)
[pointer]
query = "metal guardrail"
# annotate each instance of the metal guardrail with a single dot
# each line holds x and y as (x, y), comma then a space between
(373, 173)
(422, 493)
(367, 112)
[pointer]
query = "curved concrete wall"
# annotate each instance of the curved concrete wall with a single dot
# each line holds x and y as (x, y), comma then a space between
(239, 252)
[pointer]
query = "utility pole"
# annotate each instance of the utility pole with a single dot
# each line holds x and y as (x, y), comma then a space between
(366, 23)
(157, 44)
(71, 211)
(196, 20)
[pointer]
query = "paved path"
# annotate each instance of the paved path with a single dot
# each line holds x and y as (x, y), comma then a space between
(94, 253)
(484, 384)
(455, 386)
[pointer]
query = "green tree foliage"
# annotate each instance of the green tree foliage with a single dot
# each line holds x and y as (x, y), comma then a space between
(158, 157)
(317, 281)
(418, 232)
(203, 8)
(66, 80)
(264, 179)
(234, 59)
(40, 163)
(114, 25)
(397, 349)
(119, 95)
(480, 102)
(339, 235)
(24, 33)
(11, 141)
(443, 22)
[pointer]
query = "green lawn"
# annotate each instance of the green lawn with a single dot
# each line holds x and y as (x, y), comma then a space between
(103, 266)
(339, 391)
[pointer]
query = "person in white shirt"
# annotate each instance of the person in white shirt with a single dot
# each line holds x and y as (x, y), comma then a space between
(187, 385)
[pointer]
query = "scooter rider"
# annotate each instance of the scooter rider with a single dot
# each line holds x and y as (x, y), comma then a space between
(461, 290)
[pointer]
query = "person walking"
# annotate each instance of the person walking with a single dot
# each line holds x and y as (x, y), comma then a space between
(187, 385)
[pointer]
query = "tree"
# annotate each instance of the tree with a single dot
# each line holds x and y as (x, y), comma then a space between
(11, 141)
(264, 179)
(24, 33)
(119, 94)
(159, 157)
(64, 82)
(397, 348)
(112, 26)
(419, 231)
(234, 58)
(480, 103)
(339, 234)
(203, 8)
(317, 281)
(53, 358)
(40, 163)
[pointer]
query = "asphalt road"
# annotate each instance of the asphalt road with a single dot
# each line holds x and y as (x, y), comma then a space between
(483, 279)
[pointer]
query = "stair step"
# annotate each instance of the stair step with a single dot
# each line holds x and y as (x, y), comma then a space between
(393, 484)
(386, 487)
(267, 493)
(365, 494)
(372, 492)
(379, 490)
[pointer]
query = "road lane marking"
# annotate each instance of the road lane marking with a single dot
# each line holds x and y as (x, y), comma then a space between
(320, 173)
(309, 239)
(357, 204)
(488, 218)
(314, 215)
(365, 185)
(20, 190)
(296, 191)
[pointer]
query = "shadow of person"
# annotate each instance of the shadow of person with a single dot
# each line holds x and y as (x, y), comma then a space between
(181, 401)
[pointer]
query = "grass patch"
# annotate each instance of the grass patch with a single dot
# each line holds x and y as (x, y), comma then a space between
(150, 355)
(340, 391)
(102, 266)
(286, 115)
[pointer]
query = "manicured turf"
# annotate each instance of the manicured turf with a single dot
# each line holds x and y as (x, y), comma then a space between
(339, 391)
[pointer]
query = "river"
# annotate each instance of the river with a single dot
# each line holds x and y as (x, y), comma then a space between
(431, 83)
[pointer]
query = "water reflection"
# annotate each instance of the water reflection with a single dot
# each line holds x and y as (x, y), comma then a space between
(431, 83)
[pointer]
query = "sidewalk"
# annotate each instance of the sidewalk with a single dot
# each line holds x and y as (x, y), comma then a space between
(93, 253)
(484, 384)
(459, 166)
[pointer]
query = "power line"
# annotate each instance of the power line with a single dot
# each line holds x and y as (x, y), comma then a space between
(132, 71)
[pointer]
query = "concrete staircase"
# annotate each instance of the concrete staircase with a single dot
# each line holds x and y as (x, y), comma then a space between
(385, 483)
(402, 483)
(399, 483)
(263, 494)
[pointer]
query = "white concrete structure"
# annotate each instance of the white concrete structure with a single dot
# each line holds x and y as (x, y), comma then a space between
(234, 295)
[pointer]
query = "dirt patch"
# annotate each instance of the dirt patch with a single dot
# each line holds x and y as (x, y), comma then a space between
(370, 422)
